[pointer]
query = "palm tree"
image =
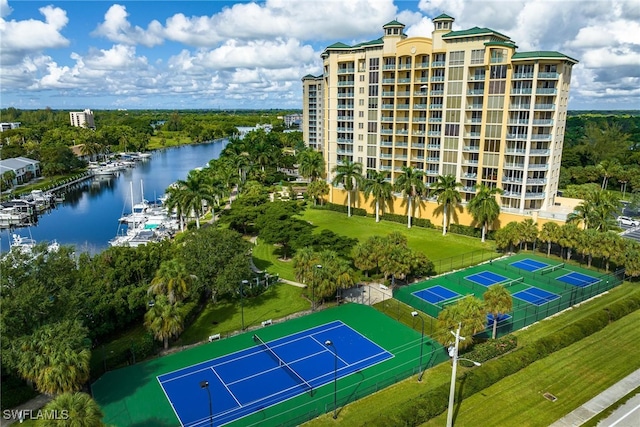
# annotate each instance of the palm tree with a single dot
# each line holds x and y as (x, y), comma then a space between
(484, 208)
(568, 238)
(317, 190)
(608, 168)
(304, 262)
(378, 186)
(54, 357)
(411, 184)
(497, 301)
(581, 213)
(195, 190)
(528, 232)
(172, 280)
(550, 233)
(588, 242)
(164, 320)
(469, 313)
(81, 410)
(311, 164)
(446, 191)
(508, 236)
(349, 174)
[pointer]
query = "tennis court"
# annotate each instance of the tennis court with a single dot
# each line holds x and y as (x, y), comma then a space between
(529, 264)
(501, 318)
(578, 279)
(536, 296)
(486, 278)
(268, 373)
(436, 294)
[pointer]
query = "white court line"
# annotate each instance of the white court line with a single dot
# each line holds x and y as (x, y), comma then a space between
(170, 402)
(327, 350)
(225, 386)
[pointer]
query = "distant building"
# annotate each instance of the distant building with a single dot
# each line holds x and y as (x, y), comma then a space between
(82, 119)
(9, 126)
(25, 169)
(312, 111)
(291, 120)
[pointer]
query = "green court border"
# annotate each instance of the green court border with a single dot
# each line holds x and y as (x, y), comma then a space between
(523, 313)
(131, 396)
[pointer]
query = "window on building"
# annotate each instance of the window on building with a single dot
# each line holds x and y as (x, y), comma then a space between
(498, 72)
(497, 87)
(456, 73)
(477, 56)
(456, 58)
(374, 64)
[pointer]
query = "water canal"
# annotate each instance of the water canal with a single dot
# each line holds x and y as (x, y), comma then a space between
(88, 217)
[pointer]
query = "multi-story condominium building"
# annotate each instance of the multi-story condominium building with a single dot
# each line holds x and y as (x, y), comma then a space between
(312, 111)
(83, 119)
(464, 103)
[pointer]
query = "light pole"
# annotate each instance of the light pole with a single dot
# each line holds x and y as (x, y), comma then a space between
(335, 378)
(453, 353)
(205, 384)
(313, 287)
(415, 314)
(244, 282)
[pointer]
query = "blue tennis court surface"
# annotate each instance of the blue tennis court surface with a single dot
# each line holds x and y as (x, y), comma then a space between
(255, 378)
(486, 278)
(529, 264)
(436, 294)
(536, 296)
(578, 279)
(501, 318)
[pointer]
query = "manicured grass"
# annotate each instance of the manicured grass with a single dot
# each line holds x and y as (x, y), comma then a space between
(266, 257)
(429, 241)
(366, 410)
(225, 317)
(444, 251)
(574, 375)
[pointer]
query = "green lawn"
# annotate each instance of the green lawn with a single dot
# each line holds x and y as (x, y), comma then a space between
(445, 251)
(574, 375)
(365, 411)
(225, 317)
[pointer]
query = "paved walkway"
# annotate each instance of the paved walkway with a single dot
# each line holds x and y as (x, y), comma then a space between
(601, 402)
(31, 406)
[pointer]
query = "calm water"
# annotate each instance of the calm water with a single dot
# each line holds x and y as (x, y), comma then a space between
(88, 218)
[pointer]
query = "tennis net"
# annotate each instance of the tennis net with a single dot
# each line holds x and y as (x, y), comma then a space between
(447, 303)
(281, 362)
(509, 283)
(552, 268)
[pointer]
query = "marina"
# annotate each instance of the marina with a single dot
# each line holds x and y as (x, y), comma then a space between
(89, 214)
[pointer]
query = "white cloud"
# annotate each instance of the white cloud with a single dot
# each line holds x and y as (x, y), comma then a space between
(117, 28)
(20, 38)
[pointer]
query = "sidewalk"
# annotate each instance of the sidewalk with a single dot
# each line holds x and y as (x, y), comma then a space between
(601, 402)
(31, 406)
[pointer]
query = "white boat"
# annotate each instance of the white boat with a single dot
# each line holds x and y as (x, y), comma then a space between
(26, 245)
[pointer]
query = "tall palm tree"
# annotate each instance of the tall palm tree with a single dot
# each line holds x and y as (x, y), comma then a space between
(469, 313)
(448, 197)
(484, 208)
(411, 184)
(349, 175)
(317, 190)
(195, 190)
(528, 232)
(176, 203)
(380, 188)
(311, 164)
(608, 168)
(304, 262)
(550, 233)
(581, 213)
(164, 320)
(172, 280)
(497, 301)
(568, 238)
(80, 408)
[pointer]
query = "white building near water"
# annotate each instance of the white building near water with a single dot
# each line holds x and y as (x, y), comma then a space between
(82, 119)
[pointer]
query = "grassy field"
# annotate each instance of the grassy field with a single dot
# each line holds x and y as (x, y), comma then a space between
(574, 375)
(365, 411)
(225, 317)
(440, 249)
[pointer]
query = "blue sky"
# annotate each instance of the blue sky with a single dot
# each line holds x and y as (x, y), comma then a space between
(234, 55)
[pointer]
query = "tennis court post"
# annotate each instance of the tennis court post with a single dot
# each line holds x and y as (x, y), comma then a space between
(205, 384)
(335, 377)
(453, 353)
(415, 314)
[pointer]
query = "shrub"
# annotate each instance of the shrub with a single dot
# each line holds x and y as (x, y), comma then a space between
(342, 209)
(402, 219)
(490, 349)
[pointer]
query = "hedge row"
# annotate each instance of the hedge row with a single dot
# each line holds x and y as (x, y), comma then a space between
(402, 219)
(466, 230)
(490, 349)
(341, 208)
(435, 401)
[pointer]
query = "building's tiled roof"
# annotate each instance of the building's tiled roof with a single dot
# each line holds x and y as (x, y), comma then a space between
(370, 43)
(542, 54)
(443, 16)
(393, 23)
(475, 31)
(338, 45)
(505, 44)
(310, 76)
